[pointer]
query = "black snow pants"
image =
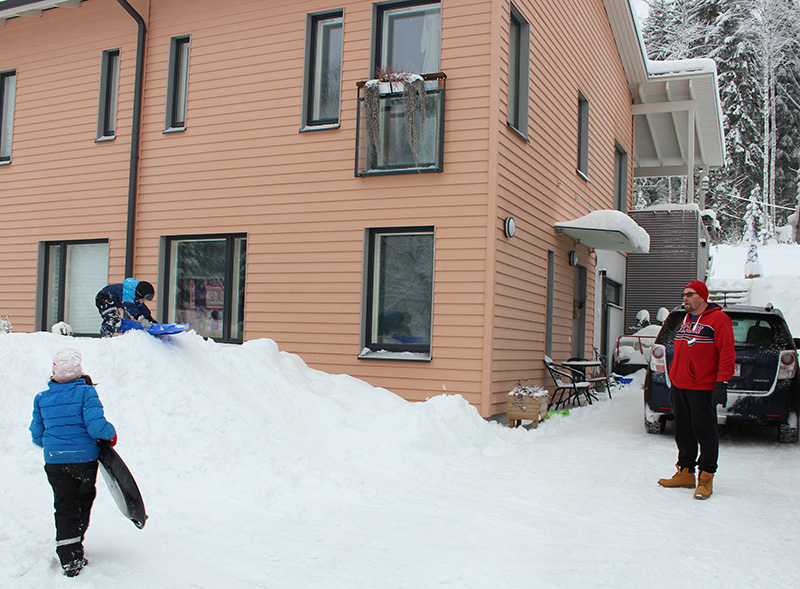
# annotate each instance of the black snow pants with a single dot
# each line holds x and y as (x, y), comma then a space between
(110, 313)
(695, 425)
(73, 495)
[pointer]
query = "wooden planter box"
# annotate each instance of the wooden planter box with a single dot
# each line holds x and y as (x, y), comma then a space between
(521, 406)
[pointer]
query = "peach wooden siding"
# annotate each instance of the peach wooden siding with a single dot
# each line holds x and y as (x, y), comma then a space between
(60, 183)
(572, 50)
(242, 166)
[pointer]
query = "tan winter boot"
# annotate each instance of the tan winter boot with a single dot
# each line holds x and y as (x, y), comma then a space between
(683, 478)
(704, 485)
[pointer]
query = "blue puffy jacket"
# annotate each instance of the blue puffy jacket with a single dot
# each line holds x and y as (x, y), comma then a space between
(124, 296)
(67, 422)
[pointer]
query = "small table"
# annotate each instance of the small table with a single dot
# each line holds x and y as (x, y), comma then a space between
(595, 366)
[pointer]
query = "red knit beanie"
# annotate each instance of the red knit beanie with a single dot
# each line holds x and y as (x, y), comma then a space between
(700, 288)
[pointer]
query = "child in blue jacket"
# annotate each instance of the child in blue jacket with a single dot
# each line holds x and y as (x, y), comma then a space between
(67, 422)
(129, 297)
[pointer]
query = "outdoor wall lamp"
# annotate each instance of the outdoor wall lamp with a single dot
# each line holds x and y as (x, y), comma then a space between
(510, 227)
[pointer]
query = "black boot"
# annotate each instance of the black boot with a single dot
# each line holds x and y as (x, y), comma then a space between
(71, 557)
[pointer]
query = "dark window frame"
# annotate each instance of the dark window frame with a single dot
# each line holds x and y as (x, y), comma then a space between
(178, 83)
(109, 95)
(620, 178)
(369, 296)
(7, 118)
(583, 136)
(63, 244)
(519, 72)
(230, 260)
(311, 87)
(380, 10)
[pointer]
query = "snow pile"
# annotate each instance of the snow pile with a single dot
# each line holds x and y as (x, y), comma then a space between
(258, 471)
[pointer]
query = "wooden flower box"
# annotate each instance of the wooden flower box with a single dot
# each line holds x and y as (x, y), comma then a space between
(527, 401)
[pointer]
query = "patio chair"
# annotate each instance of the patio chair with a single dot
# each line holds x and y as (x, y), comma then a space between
(570, 385)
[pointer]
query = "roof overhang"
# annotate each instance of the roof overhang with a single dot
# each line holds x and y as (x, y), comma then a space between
(607, 230)
(675, 104)
(14, 8)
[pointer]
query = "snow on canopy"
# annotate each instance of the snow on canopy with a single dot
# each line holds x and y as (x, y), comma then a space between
(613, 221)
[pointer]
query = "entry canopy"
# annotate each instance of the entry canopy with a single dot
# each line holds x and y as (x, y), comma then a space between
(607, 230)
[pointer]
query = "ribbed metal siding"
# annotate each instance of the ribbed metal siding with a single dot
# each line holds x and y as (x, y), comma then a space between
(676, 258)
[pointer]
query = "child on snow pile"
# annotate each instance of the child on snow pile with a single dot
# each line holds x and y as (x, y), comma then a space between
(67, 422)
(129, 296)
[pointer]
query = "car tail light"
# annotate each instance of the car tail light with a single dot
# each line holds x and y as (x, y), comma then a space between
(787, 367)
(658, 358)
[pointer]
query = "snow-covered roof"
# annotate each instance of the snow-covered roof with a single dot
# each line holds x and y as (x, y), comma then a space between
(676, 106)
(608, 230)
(681, 66)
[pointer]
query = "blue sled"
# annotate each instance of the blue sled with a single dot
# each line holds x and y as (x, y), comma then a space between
(155, 328)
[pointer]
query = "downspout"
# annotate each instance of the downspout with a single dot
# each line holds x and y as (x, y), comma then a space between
(136, 123)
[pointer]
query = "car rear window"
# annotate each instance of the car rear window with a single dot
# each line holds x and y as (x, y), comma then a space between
(758, 331)
(750, 330)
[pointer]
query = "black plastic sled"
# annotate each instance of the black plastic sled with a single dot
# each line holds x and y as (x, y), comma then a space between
(121, 484)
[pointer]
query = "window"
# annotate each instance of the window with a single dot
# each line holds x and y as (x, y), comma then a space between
(205, 284)
(551, 277)
(518, 67)
(73, 272)
(409, 37)
(177, 83)
(8, 84)
(583, 136)
(324, 69)
(611, 308)
(620, 178)
(109, 95)
(403, 131)
(399, 291)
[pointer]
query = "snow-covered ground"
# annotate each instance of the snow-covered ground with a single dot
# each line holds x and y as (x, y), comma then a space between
(260, 472)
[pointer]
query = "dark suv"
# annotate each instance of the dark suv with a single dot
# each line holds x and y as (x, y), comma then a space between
(765, 386)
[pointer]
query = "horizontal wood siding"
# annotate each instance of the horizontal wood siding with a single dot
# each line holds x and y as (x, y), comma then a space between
(242, 166)
(61, 184)
(572, 50)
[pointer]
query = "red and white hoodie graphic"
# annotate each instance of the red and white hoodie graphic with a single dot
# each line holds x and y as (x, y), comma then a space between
(704, 350)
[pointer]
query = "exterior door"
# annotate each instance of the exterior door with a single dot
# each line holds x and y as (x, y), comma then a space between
(579, 313)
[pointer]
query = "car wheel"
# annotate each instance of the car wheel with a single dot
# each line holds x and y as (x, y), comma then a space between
(656, 426)
(787, 434)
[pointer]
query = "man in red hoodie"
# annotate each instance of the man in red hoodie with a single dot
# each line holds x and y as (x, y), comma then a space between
(703, 361)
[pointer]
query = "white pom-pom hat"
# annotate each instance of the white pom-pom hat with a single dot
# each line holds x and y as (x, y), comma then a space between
(67, 365)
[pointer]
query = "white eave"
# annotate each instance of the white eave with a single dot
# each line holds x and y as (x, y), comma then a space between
(676, 107)
(14, 8)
